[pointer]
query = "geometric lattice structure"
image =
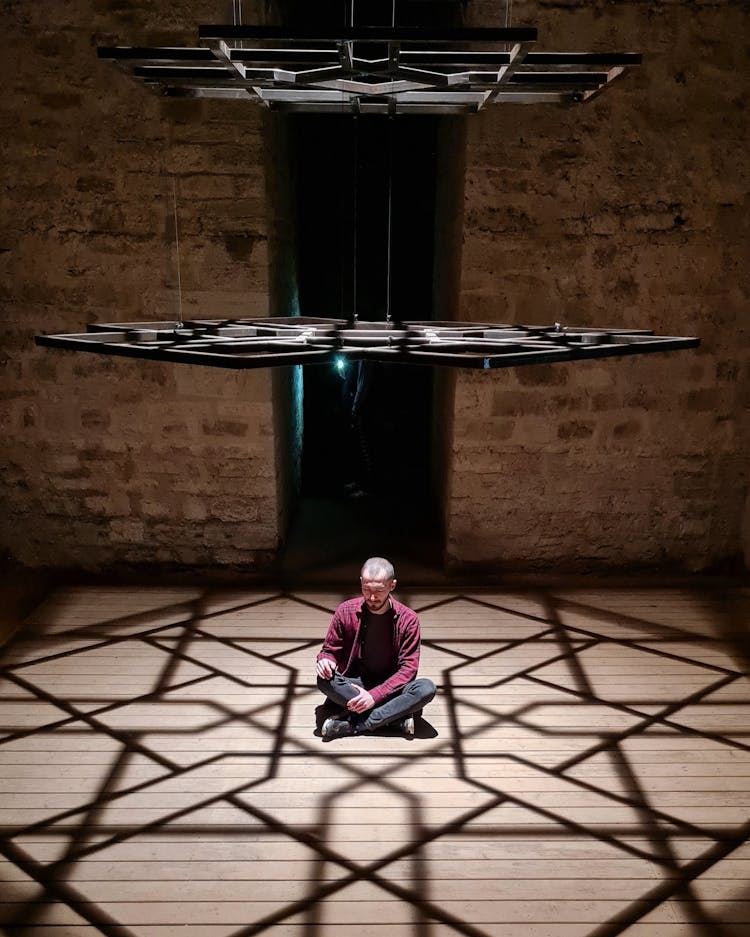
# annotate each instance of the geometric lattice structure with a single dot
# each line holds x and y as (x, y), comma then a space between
(371, 70)
(258, 343)
(161, 773)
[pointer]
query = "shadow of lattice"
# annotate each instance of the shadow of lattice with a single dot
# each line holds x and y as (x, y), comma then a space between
(198, 662)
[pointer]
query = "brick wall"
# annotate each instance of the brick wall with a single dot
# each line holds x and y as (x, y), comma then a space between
(112, 460)
(630, 211)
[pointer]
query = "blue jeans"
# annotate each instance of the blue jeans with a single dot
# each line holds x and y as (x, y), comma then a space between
(408, 700)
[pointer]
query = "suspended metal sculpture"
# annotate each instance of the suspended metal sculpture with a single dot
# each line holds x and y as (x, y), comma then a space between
(269, 342)
(371, 70)
(366, 70)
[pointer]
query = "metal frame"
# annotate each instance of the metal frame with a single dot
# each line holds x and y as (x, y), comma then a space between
(273, 342)
(371, 70)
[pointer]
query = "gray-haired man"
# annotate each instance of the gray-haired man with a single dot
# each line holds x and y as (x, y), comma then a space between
(369, 660)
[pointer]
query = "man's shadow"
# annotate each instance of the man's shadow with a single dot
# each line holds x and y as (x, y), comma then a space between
(422, 728)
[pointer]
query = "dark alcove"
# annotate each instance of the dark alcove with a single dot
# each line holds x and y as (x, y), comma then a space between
(366, 209)
(375, 236)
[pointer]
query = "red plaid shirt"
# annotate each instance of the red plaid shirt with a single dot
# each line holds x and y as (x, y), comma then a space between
(343, 644)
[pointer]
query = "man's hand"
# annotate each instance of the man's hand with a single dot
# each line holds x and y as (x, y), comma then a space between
(325, 668)
(360, 703)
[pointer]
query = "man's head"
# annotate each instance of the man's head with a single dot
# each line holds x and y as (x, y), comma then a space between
(378, 580)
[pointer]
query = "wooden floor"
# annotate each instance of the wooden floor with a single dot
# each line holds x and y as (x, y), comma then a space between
(583, 772)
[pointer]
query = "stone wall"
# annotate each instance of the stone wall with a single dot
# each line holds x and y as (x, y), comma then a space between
(630, 211)
(112, 460)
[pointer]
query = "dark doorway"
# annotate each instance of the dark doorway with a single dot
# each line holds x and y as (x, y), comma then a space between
(374, 236)
(365, 192)
(366, 207)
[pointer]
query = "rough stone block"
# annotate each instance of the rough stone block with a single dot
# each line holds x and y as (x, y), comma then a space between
(225, 428)
(576, 429)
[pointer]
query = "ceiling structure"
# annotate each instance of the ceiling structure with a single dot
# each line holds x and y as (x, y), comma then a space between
(269, 342)
(371, 70)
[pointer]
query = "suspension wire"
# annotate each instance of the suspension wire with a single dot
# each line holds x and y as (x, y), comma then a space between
(353, 300)
(390, 198)
(177, 251)
(355, 154)
(508, 12)
(390, 222)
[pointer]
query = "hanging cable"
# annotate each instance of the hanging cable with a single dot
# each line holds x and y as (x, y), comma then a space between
(390, 220)
(390, 199)
(351, 313)
(355, 131)
(177, 251)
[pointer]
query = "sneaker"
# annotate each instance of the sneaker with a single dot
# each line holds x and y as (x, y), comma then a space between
(334, 728)
(407, 727)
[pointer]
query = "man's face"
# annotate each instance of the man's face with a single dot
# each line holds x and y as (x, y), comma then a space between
(376, 593)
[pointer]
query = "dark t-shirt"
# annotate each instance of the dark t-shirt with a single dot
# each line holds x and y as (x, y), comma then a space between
(378, 650)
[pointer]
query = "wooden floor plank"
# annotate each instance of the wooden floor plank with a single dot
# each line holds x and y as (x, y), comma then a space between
(556, 787)
(661, 929)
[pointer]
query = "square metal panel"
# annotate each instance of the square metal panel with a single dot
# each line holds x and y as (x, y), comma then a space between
(269, 342)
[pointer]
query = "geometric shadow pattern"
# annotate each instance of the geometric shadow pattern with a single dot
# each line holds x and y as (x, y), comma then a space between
(583, 770)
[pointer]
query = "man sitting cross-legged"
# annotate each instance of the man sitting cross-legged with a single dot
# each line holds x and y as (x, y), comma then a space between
(369, 659)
